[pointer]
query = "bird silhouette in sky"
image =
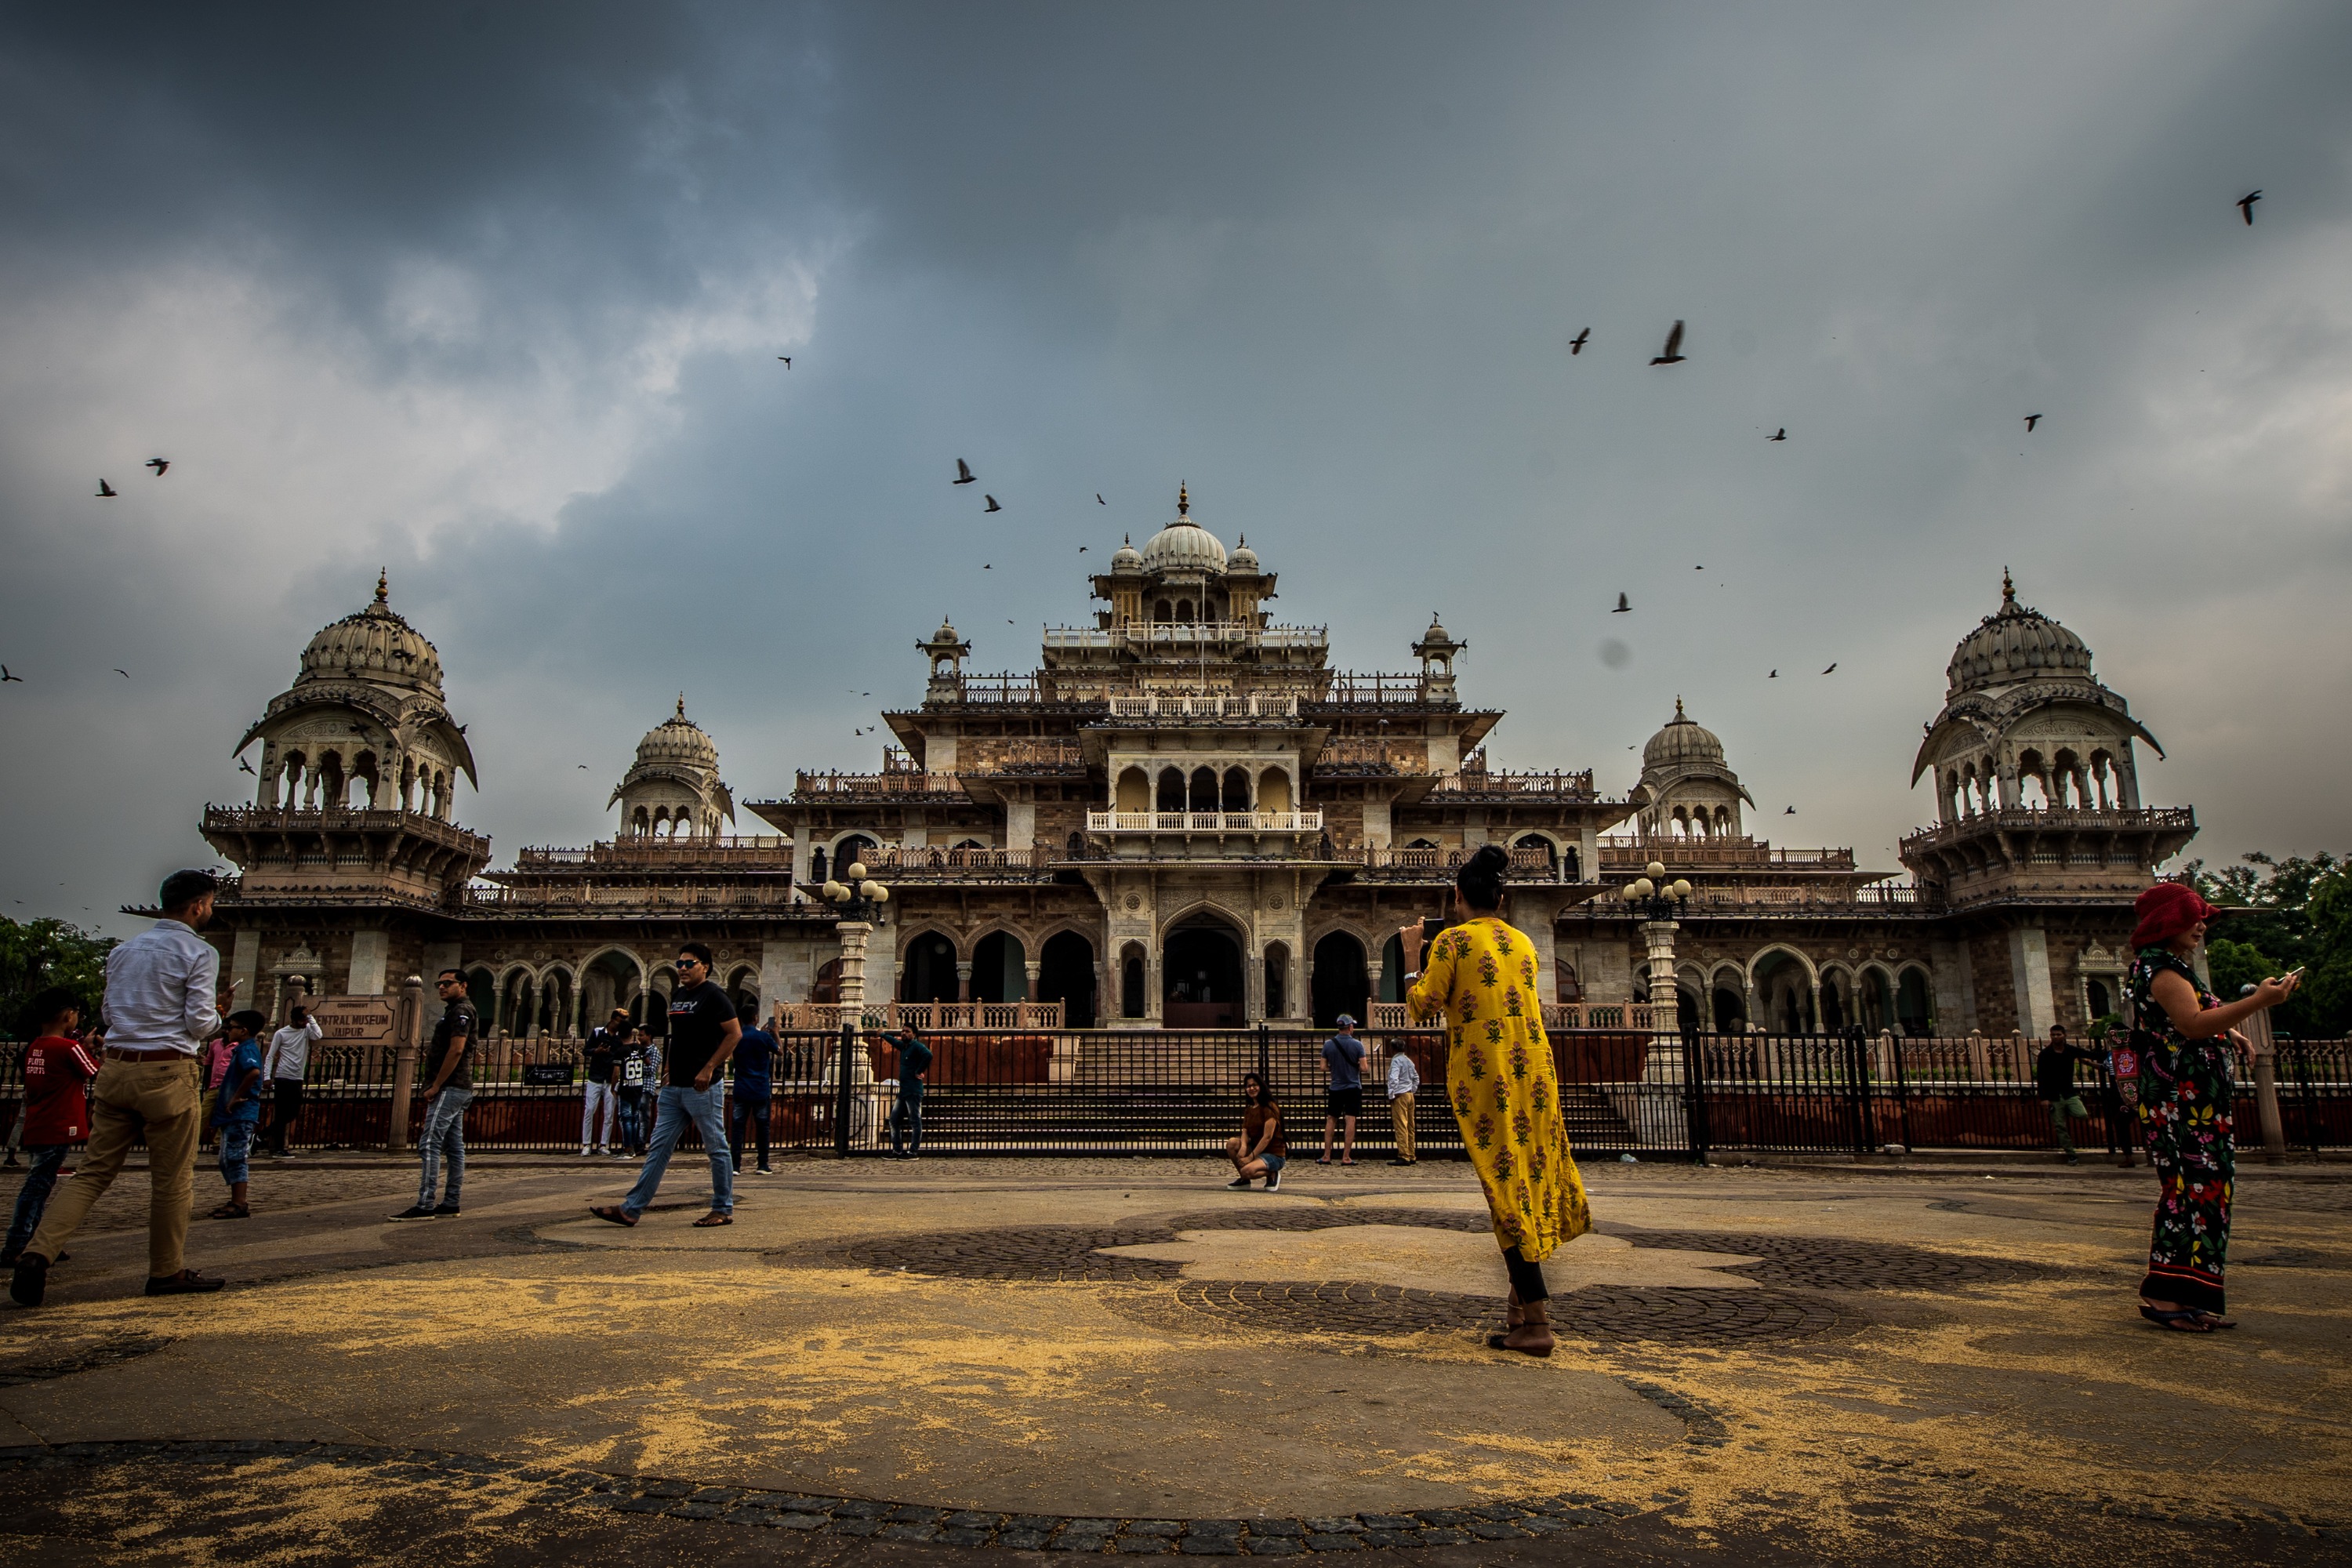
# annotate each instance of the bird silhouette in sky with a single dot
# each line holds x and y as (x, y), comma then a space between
(964, 475)
(2030, 421)
(1082, 550)
(582, 767)
(1576, 345)
(991, 505)
(1098, 501)
(1774, 675)
(244, 767)
(159, 465)
(1008, 623)
(1790, 812)
(1622, 605)
(1698, 568)
(2245, 205)
(1780, 435)
(124, 673)
(1674, 354)
(1832, 669)
(105, 491)
(787, 359)
(6, 676)
(986, 567)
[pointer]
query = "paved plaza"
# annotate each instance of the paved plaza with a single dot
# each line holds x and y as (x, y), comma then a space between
(949, 1359)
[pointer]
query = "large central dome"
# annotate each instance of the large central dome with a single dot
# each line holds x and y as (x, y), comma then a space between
(678, 739)
(1183, 545)
(1683, 743)
(375, 646)
(2014, 643)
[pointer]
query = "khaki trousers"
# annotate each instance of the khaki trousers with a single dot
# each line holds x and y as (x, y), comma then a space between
(1401, 1112)
(163, 1100)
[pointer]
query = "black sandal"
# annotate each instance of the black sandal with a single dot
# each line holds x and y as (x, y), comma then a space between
(232, 1211)
(712, 1219)
(2180, 1321)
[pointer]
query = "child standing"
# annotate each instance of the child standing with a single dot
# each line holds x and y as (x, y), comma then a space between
(237, 1109)
(56, 1110)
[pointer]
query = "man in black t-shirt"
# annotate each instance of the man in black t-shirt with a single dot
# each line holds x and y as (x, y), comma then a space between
(703, 1030)
(601, 1069)
(448, 1073)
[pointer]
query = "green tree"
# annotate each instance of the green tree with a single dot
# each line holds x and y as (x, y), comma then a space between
(38, 954)
(2281, 915)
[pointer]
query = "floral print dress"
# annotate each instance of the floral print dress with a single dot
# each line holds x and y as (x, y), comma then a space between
(1499, 1077)
(2187, 1095)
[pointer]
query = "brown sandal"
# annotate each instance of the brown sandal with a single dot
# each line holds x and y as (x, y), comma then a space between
(614, 1213)
(712, 1219)
(232, 1211)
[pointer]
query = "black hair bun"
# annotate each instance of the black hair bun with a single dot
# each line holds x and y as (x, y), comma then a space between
(1481, 877)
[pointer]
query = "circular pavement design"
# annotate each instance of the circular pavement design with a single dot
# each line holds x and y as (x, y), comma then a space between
(1793, 1272)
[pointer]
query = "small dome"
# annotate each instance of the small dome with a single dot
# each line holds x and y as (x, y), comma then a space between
(1127, 557)
(677, 739)
(1183, 545)
(1242, 559)
(1682, 742)
(2014, 643)
(374, 646)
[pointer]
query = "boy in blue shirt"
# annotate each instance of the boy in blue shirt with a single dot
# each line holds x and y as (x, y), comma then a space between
(236, 1109)
(755, 1065)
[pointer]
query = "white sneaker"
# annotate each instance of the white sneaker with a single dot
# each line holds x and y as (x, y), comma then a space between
(583, 1151)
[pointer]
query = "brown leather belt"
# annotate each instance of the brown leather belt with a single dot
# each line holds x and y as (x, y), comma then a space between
(161, 1054)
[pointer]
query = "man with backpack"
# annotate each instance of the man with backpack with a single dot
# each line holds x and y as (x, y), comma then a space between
(914, 1062)
(2053, 1079)
(634, 1072)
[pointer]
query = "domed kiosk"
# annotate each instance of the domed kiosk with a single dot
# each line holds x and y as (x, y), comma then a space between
(1687, 790)
(672, 789)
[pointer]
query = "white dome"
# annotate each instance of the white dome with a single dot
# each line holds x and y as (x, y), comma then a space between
(678, 739)
(374, 646)
(2014, 643)
(1244, 559)
(1183, 545)
(1684, 743)
(1127, 557)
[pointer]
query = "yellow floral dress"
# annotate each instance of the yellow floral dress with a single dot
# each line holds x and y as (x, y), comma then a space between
(1499, 1076)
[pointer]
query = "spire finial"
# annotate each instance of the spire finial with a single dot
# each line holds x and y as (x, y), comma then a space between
(1183, 498)
(681, 704)
(382, 585)
(1678, 706)
(2008, 589)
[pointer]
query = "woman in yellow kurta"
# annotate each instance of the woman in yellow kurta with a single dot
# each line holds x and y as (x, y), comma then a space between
(1481, 974)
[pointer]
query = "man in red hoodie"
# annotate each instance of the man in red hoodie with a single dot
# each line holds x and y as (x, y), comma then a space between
(57, 1068)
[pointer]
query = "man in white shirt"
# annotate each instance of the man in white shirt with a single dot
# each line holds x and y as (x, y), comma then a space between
(284, 1065)
(162, 1002)
(1404, 1083)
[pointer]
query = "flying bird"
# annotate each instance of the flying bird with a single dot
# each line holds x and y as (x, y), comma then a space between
(124, 673)
(1698, 568)
(1098, 501)
(105, 491)
(1790, 812)
(964, 475)
(986, 567)
(6, 676)
(1008, 623)
(1622, 605)
(1082, 550)
(2245, 205)
(1780, 435)
(159, 465)
(1832, 669)
(1674, 354)
(582, 767)
(1774, 675)
(787, 359)
(244, 766)
(2031, 420)
(1576, 345)
(991, 505)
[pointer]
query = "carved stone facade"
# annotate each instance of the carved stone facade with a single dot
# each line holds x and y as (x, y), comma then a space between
(1184, 816)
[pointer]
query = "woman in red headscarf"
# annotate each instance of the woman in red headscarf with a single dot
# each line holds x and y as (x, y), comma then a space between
(2187, 1093)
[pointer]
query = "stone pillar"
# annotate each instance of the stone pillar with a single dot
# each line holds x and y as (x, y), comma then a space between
(1376, 824)
(1020, 824)
(2029, 961)
(408, 1030)
(1661, 1117)
(245, 969)
(2257, 1030)
(371, 950)
(963, 980)
(1030, 971)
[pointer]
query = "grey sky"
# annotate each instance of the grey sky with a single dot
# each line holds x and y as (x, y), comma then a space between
(492, 296)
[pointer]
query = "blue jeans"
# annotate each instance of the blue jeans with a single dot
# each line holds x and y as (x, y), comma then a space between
(676, 1108)
(235, 1149)
(632, 1120)
(34, 1197)
(740, 1111)
(909, 1111)
(443, 1138)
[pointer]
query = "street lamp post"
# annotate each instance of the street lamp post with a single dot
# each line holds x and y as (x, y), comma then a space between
(859, 901)
(1660, 904)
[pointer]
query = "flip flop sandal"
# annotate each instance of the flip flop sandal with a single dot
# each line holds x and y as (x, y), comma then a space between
(2215, 1321)
(2178, 1322)
(709, 1220)
(231, 1211)
(613, 1214)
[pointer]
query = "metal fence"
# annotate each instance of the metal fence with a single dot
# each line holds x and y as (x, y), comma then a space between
(1174, 1091)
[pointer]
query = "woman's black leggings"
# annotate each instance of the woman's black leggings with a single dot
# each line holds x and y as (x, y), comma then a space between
(1526, 1277)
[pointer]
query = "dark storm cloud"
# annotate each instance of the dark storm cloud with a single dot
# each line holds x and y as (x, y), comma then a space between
(493, 294)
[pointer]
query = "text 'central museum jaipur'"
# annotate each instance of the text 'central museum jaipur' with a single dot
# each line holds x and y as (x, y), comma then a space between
(1184, 816)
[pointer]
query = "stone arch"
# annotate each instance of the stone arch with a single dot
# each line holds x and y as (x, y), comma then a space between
(1837, 998)
(1274, 792)
(1785, 983)
(1874, 997)
(857, 843)
(927, 966)
(1133, 792)
(1342, 978)
(1727, 998)
(1170, 795)
(1276, 993)
(1202, 786)
(1066, 973)
(612, 977)
(743, 984)
(1537, 839)
(1915, 1000)
(559, 1001)
(1163, 610)
(1133, 967)
(517, 999)
(1234, 790)
(1000, 960)
(1184, 609)
(1201, 982)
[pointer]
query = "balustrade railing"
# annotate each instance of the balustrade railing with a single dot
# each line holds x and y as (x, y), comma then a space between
(919, 861)
(2055, 819)
(754, 850)
(1574, 785)
(1418, 863)
(1628, 1017)
(927, 1016)
(1164, 705)
(558, 897)
(1624, 852)
(807, 785)
(1205, 821)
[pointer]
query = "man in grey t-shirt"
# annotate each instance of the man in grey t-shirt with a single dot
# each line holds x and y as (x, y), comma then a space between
(1344, 1100)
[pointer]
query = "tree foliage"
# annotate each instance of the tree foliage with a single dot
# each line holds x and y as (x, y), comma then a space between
(38, 954)
(2285, 914)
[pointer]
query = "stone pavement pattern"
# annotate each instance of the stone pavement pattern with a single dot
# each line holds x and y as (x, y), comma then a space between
(1120, 1355)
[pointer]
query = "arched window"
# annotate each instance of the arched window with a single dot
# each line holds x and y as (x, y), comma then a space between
(1538, 841)
(1164, 612)
(1204, 789)
(1130, 982)
(1273, 790)
(1134, 789)
(1184, 610)
(1278, 980)
(1237, 790)
(1171, 789)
